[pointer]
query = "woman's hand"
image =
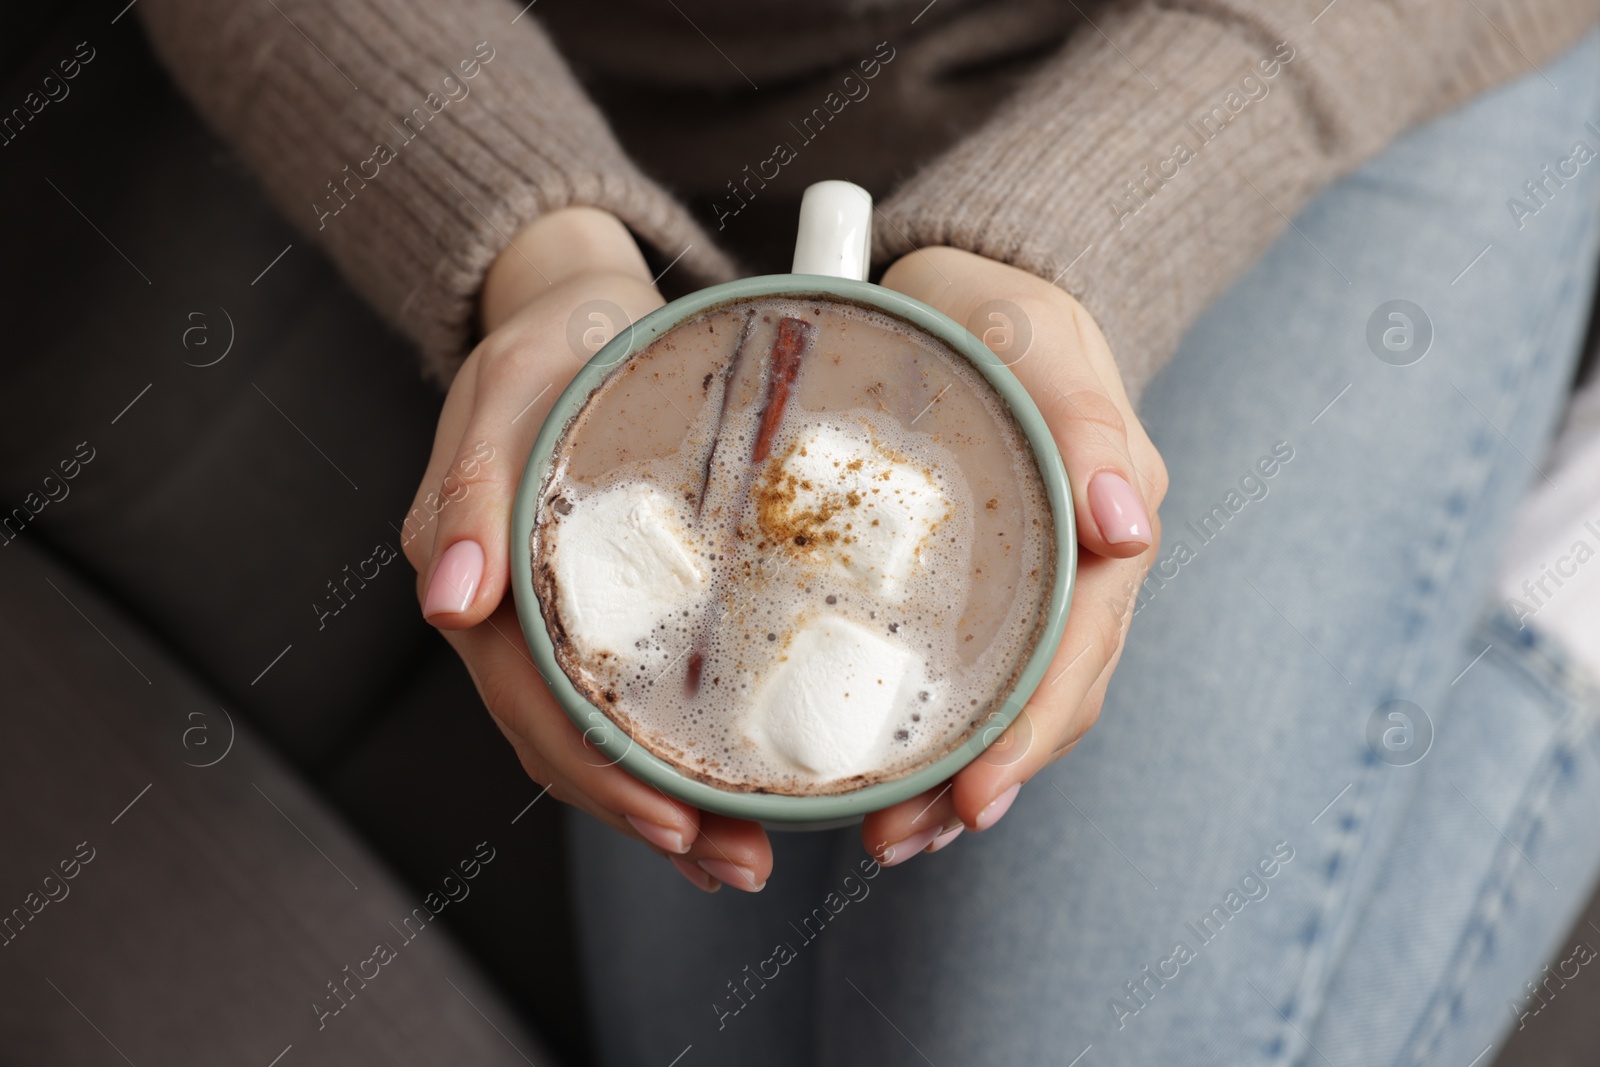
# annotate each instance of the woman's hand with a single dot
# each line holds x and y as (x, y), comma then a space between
(1118, 481)
(548, 302)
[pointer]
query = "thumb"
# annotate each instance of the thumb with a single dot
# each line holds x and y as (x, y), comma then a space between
(465, 572)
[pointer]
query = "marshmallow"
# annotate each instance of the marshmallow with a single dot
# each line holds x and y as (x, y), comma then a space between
(828, 704)
(623, 564)
(856, 503)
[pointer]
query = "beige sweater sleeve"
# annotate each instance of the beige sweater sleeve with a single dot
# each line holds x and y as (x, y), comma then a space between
(410, 139)
(1080, 179)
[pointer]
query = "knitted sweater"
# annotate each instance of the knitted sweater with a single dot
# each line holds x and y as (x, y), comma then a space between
(1142, 155)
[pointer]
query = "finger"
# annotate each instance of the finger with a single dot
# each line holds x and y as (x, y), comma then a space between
(561, 754)
(559, 790)
(1068, 699)
(897, 833)
(734, 852)
(1088, 712)
(522, 369)
(664, 841)
(416, 530)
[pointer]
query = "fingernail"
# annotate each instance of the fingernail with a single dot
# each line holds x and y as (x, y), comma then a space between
(944, 839)
(660, 836)
(996, 808)
(729, 873)
(1117, 510)
(455, 579)
(900, 851)
(698, 878)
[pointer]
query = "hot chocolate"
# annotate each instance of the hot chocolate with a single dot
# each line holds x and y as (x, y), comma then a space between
(794, 546)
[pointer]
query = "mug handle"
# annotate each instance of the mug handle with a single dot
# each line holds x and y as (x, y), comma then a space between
(835, 235)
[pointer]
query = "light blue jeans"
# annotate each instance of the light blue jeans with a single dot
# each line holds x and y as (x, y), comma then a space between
(1255, 857)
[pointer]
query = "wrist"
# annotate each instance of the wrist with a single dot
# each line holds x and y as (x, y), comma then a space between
(552, 249)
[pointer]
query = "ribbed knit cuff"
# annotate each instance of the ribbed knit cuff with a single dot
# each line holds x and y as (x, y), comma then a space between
(1160, 153)
(412, 140)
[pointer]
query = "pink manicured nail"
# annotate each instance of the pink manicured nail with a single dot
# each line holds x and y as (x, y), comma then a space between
(1117, 510)
(901, 851)
(944, 839)
(455, 579)
(698, 878)
(731, 874)
(660, 836)
(997, 807)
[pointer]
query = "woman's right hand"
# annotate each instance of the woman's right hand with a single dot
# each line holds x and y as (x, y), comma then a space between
(559, 290)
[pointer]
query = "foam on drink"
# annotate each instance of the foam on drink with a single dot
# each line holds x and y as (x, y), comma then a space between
(839, 613)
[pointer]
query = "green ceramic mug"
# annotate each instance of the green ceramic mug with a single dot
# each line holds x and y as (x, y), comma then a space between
(831, 258)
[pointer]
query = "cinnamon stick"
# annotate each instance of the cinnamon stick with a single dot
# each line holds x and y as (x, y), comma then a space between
(728, 373)
(794, 341)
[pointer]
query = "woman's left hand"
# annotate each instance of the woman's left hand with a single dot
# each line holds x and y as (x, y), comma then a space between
(1118, 481)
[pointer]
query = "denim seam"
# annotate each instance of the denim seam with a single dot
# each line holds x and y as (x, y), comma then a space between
(1538, 657)
(1308, 998)
(1579, 722)
(1292, 1041)
(1357, 842)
